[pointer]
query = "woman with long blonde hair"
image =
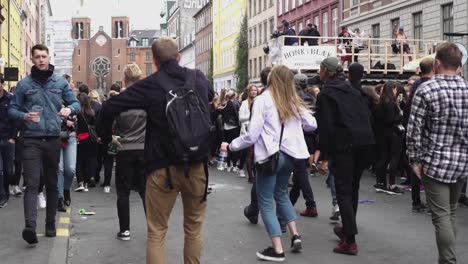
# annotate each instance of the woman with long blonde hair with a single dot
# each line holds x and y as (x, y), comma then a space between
(277, 114)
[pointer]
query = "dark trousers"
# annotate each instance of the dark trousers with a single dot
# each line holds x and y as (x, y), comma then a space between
(389, 146)
(415, 189)
(348, 166)
(233, 156)
(129, 174)
(301, 183)
(18, 163)
(37, 154)
(108, 166)
(86, 161)
(6, 168)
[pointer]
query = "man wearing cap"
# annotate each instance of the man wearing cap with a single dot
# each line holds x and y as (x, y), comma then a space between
(287, 31)
(346, 140)
(309, 31)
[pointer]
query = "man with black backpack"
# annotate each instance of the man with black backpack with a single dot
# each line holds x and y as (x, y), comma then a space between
(176, 100)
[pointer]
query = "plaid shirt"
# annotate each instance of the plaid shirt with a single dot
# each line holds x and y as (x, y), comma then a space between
(437, 135)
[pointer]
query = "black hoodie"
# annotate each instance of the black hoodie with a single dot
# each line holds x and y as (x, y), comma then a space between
(343, 118)
(147, 94)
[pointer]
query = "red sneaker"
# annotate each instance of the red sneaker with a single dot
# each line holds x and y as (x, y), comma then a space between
(347, 249)
(338, 230)
(310, 212)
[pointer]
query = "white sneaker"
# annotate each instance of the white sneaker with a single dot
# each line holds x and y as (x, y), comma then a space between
(106, 189)
(229, 169)
(80, 187)
(12, 190)
(85, 187)
(17, 190)
(235, 169)
(242, 173)
(41, 201)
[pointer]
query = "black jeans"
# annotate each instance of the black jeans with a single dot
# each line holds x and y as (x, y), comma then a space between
(86, 161)
(41, 153)
(18, 162)
(389, 146)
(129, 174)
(348, 166)
(108, 166)
(230, 135)
(301, 183)
(6, 167)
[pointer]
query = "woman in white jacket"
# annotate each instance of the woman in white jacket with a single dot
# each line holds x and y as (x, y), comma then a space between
(277, 116)
(244, 120)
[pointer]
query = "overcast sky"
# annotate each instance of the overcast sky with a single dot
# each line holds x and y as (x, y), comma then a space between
(144, 14)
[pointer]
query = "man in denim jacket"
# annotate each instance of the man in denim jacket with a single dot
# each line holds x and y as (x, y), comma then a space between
(38, 103)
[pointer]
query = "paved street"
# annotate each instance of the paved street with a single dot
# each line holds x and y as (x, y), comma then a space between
(389, 231)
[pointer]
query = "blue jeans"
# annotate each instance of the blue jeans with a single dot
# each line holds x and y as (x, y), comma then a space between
(275, 187)
(7, 153)
(67, 166)
(331, 182)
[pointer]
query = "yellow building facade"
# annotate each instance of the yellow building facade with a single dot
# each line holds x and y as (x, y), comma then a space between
(11, 32)
(227, 17)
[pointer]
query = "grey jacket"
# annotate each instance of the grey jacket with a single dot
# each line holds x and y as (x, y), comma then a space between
(131, 127)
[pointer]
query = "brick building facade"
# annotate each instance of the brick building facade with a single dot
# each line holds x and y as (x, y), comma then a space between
(99, 61)
(326, 14)
(203, 37)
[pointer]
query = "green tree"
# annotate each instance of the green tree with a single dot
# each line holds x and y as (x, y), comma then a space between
(242, 57)
(209, 74)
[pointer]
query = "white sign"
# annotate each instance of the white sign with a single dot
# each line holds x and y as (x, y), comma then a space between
(306, 57)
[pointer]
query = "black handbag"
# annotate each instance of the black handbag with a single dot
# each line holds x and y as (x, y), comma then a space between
(93, 136)
(269, 166)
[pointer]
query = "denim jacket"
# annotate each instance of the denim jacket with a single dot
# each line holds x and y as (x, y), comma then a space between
(50, 96)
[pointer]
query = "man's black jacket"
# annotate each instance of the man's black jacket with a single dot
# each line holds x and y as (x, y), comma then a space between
(343, 118)
(149, 95)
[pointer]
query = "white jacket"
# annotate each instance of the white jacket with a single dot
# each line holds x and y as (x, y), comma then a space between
(244, 117)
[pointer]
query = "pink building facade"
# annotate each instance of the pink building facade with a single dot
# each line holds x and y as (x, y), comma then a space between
(326, 14)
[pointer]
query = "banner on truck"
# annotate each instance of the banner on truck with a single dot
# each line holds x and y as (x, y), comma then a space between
(306, 57)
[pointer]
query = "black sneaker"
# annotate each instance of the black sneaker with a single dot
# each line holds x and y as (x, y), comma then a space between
(296, 244)
(50, 230)
(380, 188)
(418, 208)
(124, 236)
(253, 218)
(3, 203)
(61, 206)
(29, 235)
(66, 197)
(271, 255)
(463, 201)
(395, 190)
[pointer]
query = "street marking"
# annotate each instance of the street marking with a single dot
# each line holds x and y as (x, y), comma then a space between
(64, 220)
(68, 210)
(62, 232)
(40, 235)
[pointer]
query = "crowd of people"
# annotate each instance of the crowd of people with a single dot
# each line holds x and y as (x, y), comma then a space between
(163, 131)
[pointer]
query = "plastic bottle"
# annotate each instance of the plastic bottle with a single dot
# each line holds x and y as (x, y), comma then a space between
(222, 159)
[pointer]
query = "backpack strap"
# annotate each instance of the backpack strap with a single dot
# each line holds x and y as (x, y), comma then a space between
(168, 179)
(205, 168)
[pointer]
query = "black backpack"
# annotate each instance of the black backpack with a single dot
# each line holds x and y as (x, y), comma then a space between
(190, 126)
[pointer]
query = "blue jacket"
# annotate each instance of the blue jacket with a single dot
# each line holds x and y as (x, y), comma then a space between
(8, 128)
(50, 95)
